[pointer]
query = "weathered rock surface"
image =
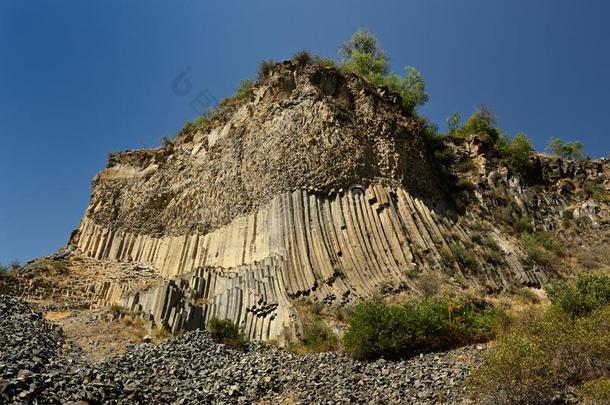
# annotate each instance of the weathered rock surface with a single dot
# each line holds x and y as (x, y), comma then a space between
(317, 186)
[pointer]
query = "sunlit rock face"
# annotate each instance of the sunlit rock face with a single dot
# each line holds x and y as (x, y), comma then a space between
(317, 186)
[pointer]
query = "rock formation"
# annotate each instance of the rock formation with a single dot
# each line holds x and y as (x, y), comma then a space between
(316, 186)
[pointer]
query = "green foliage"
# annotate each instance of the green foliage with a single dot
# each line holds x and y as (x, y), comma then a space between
(4, 271)
(363, 56)
(544, 240)
(303, 57)
(245, 86)
(523, 224)
(453, 123)
(166, 142)
(465, 258)
(595, 391)
(118, 310)
(596, 192)
(411, 87)
(589, 293)
(482, 123)
(542, 249)
(534, 362)
(322, 62)
(226, 332)
(264, 68)
(567, 150)
(517, 153)
(318, 337)
(376, 329)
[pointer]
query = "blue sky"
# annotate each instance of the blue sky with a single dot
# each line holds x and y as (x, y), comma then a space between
(79, 79)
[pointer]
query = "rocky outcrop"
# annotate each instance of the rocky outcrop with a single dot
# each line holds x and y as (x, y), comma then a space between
(316, 186)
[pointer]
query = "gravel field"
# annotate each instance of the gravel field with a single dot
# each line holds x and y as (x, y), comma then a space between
(38, 367)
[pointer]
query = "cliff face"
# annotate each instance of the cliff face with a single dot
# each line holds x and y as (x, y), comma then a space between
(304, 127)
(317, 186)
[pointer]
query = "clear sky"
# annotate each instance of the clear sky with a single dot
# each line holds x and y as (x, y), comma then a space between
(79, 79)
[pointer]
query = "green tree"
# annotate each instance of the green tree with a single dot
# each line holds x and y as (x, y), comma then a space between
(517, 154)
(567, 150)
(453, 123)
(482, 122)
(362, 55)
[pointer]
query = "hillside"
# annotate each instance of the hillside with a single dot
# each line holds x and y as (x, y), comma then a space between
(316, 211)
(315, 184)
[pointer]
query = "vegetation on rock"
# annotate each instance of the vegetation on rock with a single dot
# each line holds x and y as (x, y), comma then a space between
(226, 332)
(567, 150)
(363, 56)
(568, 345)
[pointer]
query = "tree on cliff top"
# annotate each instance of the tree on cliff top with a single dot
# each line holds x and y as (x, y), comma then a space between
(567, 150)
(362, 55)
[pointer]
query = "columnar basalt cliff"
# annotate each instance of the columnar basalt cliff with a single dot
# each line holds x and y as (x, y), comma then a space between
(316, 186)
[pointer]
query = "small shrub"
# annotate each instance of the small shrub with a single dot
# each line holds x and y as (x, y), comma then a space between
(542, 249)
(545, 240)
(303, 57)
(567, 150)
(596, 192)
(517, 153)
(523, 224)
(376, 329)
(160, 333)
(4, 271)
(226, 332)
(166, 142)
(245, 86)
(595, 391)
(265, 67)
(323, 62)
(524, 293)
(318, 337)
(534, 363)
(587, 294)
(465, 258)
(134, 322)
(118, 310)
(482, 123)
(429, 283)
(513, 373)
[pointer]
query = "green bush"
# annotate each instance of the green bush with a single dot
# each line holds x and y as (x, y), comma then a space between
(567, 150)
(595, 392)
(303, 57)
(318, 337)
(465, 258)
(118, 310)
(523, 224)
(363, 56)
(588, 293)
(482, 122)
(376, 329)
(245, 86)
(532, 364)
(545, 240)
(542, 249)
(596, 191)
(517, 153)
(264, 68)
(226, 332)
